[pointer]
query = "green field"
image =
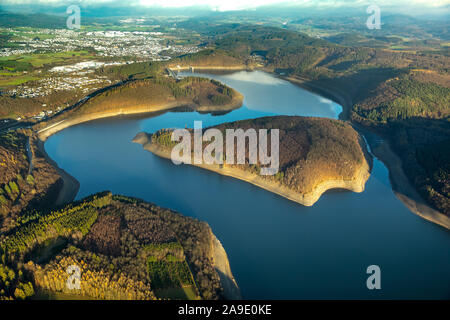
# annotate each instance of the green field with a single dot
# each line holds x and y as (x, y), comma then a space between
(30, 61)
(15, 81)
(50, 295)
(38, 60)
(12, 68)
(183, 293)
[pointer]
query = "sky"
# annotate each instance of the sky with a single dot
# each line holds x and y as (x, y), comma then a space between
(228, 5)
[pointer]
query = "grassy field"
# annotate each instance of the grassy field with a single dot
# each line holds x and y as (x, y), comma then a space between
(39, 60)
(13, 68)
(49, 295)
(16, 80)
(184, 293)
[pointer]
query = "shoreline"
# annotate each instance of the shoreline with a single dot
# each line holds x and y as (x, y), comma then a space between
(207, 68)
(51, 129)
(221, 263)
(70, 186)
(356, 185)
(403, 189)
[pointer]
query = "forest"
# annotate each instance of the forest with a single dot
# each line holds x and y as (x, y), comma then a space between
(412, 99)
(27, 179)
(312, 150)
(412, 112)
(124, 249)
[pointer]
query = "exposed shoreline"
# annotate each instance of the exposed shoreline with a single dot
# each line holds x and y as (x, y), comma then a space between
(51, 129)
(221, 263)
(231, 290)
(212, 68)
(70, 186)
(413, 200)
(403, 189)
(356, 185)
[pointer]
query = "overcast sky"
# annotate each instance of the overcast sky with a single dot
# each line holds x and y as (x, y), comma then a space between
(224, 5)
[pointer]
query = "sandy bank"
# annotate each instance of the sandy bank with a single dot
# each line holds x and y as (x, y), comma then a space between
(140, 109)
(70, 186)
(231, 290)
(356, 184)
(204, 68)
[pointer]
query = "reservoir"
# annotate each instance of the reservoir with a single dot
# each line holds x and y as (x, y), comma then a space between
(278, 249)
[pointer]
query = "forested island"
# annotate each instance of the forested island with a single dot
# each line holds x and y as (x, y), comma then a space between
(315, 155)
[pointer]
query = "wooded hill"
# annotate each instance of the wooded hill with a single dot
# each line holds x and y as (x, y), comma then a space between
(311, 150)
(155, 94)
(27, 180)
(159, 91)
(125, 249)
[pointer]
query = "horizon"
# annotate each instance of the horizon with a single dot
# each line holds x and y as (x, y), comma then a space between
(405, 7)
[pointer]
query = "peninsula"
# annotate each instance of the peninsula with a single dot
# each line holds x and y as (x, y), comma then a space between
(316, 155)
(124, 248)
(148, 96)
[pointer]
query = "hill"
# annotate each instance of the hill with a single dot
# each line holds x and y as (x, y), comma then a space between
(123, 248)
(145, 96)
(28, 181)
(315, 155)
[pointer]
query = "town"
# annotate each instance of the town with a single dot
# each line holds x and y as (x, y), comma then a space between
(41, 65)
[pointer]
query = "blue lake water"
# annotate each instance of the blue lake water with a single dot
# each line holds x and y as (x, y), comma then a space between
(278, 249)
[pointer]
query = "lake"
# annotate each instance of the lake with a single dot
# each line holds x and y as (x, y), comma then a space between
(278, 249)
